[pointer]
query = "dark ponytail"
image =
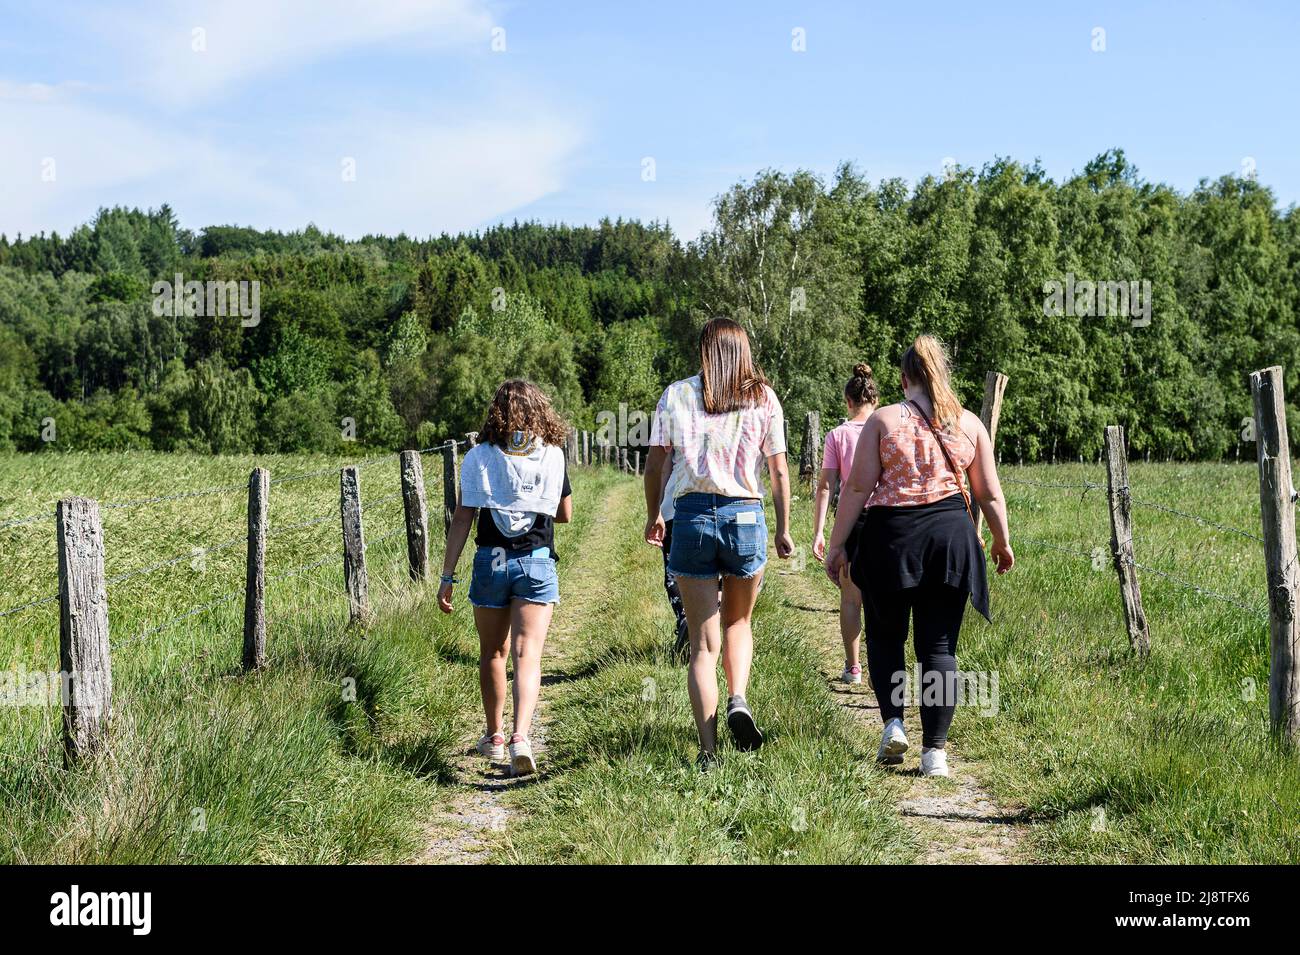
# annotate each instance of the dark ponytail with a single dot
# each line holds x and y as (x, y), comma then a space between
(861, 388)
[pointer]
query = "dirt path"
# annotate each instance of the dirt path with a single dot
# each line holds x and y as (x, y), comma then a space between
(480, 809)
(956, 820)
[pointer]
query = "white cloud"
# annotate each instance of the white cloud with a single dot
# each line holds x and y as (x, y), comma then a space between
(414, 173)
(245, 39)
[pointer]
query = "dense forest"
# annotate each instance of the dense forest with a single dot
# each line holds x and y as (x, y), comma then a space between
(393, 341)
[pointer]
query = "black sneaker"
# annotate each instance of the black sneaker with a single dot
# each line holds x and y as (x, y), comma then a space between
(706, 762)
(741, 723)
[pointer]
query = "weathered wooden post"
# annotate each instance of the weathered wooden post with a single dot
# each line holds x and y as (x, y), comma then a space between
(448, 485)
(636, 463)
(995, 383)
(354, 547)
(1121, 539)
(84, 660)
(622, 460)
(417, 515)
(810, 458)
(1277, 511)
(586, 448)
(259, 501)
(471, 438)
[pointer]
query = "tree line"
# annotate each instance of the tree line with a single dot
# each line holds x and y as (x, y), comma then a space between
(393, 341)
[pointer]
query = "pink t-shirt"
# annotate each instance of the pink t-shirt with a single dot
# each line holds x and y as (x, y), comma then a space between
(840, 444)
(719, 453)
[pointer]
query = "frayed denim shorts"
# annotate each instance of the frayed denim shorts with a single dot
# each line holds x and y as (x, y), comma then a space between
(500, 576)
(715, 535)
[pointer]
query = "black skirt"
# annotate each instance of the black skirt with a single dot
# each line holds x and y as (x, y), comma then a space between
(902, 547)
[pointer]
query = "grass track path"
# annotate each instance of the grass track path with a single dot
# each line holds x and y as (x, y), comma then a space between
(479, 809)
(958, 821)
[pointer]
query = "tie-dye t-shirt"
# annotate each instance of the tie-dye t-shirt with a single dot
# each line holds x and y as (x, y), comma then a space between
(721, 453)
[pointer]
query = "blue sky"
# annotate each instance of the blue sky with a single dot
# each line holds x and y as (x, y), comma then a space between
(446, 133)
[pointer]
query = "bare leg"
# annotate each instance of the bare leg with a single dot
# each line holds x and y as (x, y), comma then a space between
(700, 599)
(493, 636)
(529, 623)
(850, 618)
(738, 596)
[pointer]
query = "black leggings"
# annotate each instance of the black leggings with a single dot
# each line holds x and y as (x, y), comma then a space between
(936, 611)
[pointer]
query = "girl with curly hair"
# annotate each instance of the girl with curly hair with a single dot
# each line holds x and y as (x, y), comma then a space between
(514, 481)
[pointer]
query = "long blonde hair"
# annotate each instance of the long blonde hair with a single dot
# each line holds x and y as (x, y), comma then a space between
(925, 363)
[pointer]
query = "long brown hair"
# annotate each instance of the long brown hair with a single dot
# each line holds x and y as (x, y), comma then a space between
(861, 388)
(730, 380)
(520, 405)
(925, 363)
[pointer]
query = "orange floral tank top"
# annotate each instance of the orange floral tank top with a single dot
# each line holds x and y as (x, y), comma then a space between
(913, 469)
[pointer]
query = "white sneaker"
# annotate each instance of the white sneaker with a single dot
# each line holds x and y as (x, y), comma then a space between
(893, 742)
(492, 745)
(934, 762)
(851, 675)
(521, 757)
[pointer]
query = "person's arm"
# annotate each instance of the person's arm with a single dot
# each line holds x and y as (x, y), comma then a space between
(830, 477)
(987, 491)
(461, 522)
(779, 474)
(564, 512)
(862, 480)
(654, 494)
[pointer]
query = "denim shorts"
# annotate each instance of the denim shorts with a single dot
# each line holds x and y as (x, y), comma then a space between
(715, 535)
(500, 576)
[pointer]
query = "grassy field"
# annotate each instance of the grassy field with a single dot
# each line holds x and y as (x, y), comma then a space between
(344, 748)
(1121, 760)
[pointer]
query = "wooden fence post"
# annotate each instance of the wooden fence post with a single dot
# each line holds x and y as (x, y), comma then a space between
(810, 460)
(354, 547)
(259, 502)
(448, 485)
(1121, 539)
(586, 448)
(1277, 512)
(471, 438)
(622, 460)
(417, 515)
(636, 463)
(84, 659)
(995, 383)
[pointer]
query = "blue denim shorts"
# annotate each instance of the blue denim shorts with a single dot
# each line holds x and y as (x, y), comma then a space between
(500, 576)
(715, 535)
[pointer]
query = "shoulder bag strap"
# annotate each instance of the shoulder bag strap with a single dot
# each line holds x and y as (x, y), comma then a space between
(961, 480)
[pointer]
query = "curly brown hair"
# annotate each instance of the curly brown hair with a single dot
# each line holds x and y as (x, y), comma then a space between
(520, 405)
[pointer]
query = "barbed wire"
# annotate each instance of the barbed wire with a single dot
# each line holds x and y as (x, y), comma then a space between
(184, 495)
(1139, 502)
(1086, 485)
(27, 606)
(1195, 588)
(29, 519)
(191, 555)
(1051, 546)
(1227, 528)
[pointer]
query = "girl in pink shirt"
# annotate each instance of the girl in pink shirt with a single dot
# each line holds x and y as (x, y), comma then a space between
(860, 396)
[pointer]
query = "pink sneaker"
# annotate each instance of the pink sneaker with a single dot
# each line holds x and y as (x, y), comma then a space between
(851, 674)
(492, 746)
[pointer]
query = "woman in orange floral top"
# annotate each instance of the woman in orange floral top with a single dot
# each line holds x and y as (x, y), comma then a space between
(919, 557)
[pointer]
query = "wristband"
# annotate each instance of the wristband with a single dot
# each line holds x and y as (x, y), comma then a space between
(449, 579)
